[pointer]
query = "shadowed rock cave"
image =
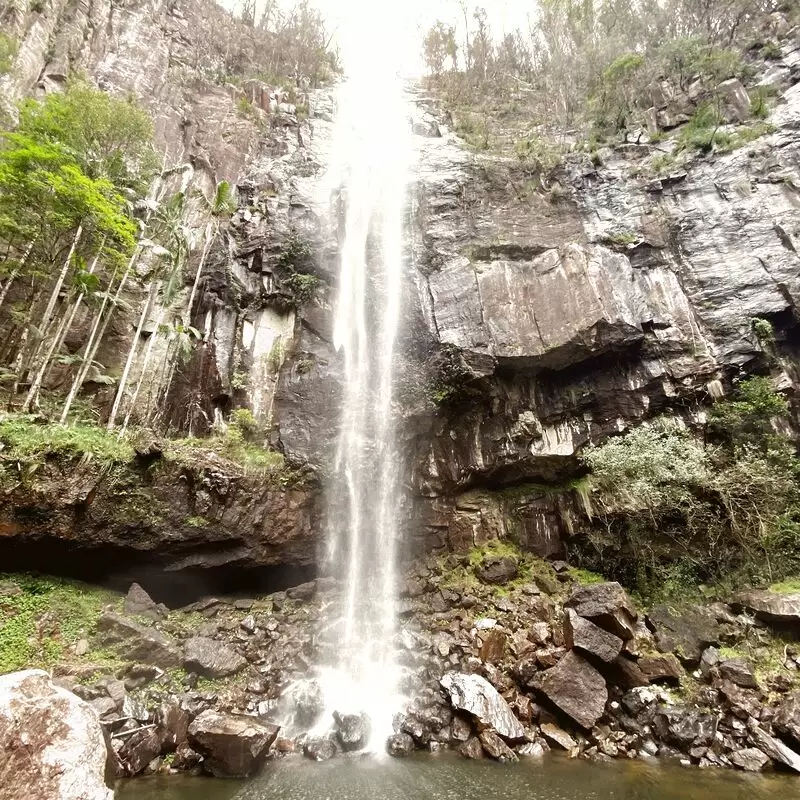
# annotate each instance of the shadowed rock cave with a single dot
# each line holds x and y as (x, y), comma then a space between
(117, 568)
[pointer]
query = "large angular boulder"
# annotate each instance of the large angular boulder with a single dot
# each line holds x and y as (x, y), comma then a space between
(476, 696)
(497, 569)
(51, 742)
(687, 631)
(576, 687)
(774, 748)
(137, 642)
(138, 603)
(685, 727)
(774, 607)
(234, 745)
(212, 659)
(581, 634)
(607, 605)
(787, 718)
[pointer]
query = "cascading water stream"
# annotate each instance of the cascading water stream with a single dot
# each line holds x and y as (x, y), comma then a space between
(368, 176)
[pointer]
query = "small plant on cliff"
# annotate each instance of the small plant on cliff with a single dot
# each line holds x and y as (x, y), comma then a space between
(8, 52)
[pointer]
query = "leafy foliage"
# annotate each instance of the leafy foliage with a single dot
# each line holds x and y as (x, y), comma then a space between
(8, 52)
(677, 511)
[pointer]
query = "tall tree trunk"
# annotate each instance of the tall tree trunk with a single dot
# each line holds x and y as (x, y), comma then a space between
(15, 272)
(142, 374)
(51, 303)
(55, 345)
(112, 417)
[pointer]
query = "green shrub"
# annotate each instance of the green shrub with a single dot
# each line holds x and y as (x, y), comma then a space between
(677, 512)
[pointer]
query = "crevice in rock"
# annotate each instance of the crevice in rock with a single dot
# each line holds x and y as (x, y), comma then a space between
(117, 568)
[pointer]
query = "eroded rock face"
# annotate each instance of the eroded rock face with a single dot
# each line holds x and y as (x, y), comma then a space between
(476, 696)
(576, 687)
(234, 746)
(51, 741)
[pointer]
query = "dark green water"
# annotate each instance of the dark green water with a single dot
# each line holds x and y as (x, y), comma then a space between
(452, 778)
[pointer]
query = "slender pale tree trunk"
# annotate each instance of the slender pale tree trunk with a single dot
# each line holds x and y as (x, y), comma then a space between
(15, 272)
(143, 373)
(51, 303)
(112, 417)
(55, 345)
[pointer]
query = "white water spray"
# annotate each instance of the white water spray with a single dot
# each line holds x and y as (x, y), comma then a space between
(368, 175)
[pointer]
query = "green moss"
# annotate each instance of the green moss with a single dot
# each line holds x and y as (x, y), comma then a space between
(40, 618)
(197, 522)
(8, 52)
(788, 586)
(28, 440)
(624, 238)
(585, 576)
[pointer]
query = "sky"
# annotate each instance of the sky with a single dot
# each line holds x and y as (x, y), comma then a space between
(392, 30)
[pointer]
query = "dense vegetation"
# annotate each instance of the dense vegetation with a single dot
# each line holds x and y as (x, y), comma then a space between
(587, 71)
(674, 510)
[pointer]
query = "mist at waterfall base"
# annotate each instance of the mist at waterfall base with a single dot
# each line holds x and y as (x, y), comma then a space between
(365, 188)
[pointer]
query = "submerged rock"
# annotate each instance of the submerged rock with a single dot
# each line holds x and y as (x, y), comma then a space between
(476, 696)
(319, 748)
(51, 742)
(234, 745)
(352, 730)
(576, 687)
(212, 659)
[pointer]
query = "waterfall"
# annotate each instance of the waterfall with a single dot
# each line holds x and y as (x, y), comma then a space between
(368, 176)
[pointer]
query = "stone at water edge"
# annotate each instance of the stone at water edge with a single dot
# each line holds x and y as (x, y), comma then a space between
(576, 687)
(751, 759)
(774, 748)
(476, 696)
(558, 736)
(399, 745)
(319, 748)
(50, 739)
(352, 730)
(234, 745)
(494, 746)
(787, 717)
(471, 748)
(309, 703)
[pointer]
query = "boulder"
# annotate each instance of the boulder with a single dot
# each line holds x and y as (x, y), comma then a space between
(787, 717)
(172, 722)
(495, 747)
(137, 642)
(138, 750)
(139, 603)
(319, 748)
(750, 759)
(399, 745)
(497, 569)
(234, 745)
(352, 730)
(581, 634)
(493, 646)
(772, 607)
(774, 748)
(607, 605)
(309, 703)
(52, 744)
(211, 659)
(472, 748)
(684, 631)
(476, 696)
(685, 727)
(558, 736)
(738, 671)
(576, 687)
(663, 668)
(734, 99)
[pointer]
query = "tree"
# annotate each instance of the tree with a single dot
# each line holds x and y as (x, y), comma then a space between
(439, 45)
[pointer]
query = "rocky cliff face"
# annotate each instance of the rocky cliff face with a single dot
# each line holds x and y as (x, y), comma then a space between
(535, 322)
